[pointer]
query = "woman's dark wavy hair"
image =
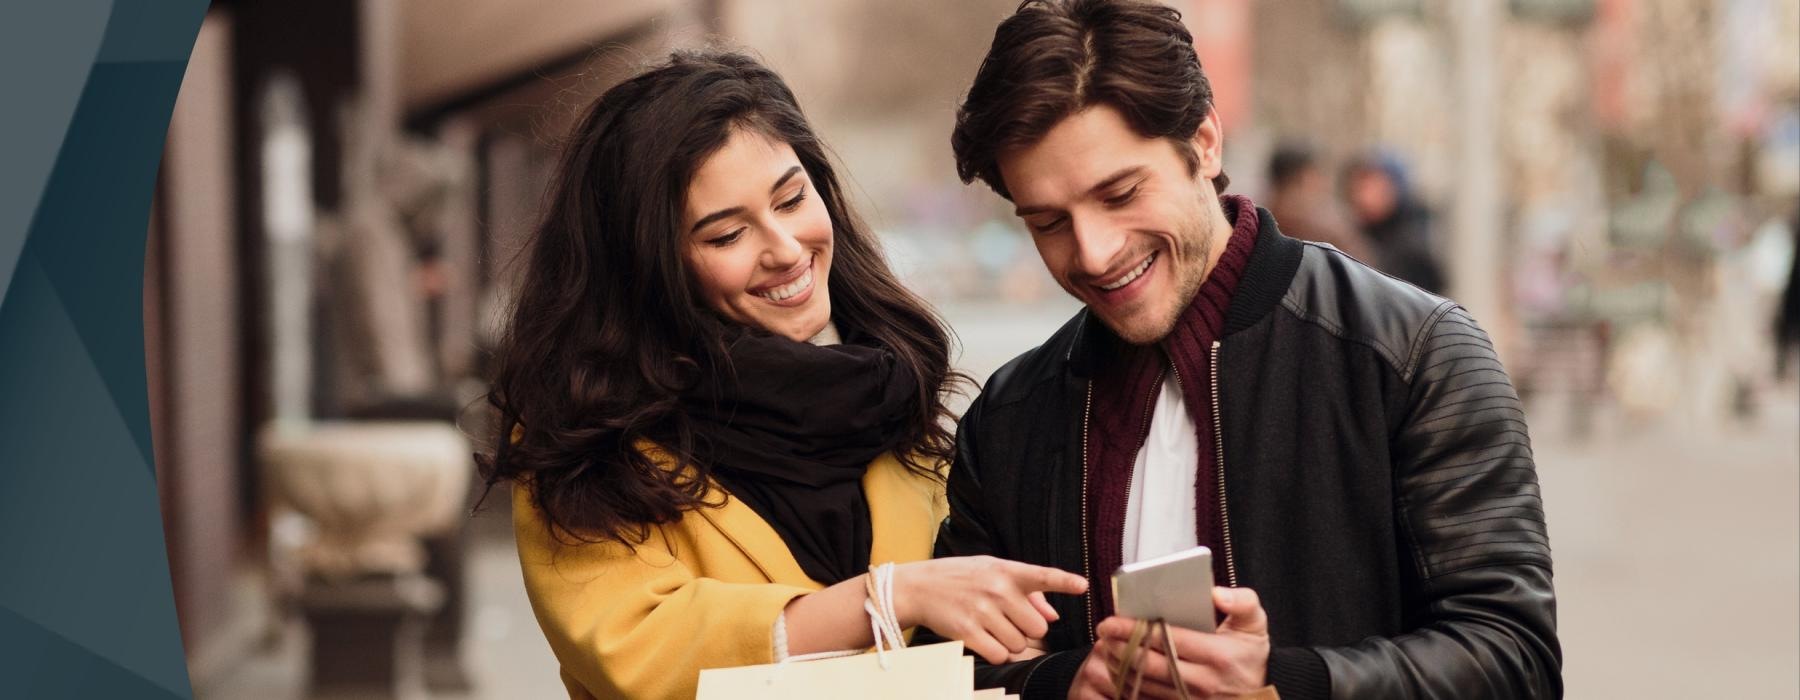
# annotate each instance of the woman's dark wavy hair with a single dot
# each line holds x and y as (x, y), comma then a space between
(606, 332)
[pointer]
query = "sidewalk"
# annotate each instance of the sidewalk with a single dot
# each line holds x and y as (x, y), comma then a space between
(1678, 557)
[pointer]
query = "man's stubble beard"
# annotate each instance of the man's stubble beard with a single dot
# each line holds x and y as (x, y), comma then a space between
(1187, 283)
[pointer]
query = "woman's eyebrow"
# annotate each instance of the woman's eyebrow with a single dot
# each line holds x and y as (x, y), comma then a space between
(715, 216)
(784, 178)
(734, 211)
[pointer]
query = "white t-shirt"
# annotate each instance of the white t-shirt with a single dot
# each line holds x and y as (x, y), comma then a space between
(1159, 517)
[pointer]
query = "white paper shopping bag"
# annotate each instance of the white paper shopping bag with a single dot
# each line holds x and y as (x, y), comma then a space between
(930, 671)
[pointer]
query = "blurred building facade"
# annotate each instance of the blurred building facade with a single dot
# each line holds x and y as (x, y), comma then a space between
(1606, 171)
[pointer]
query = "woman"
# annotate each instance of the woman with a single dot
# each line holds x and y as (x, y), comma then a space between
(722, 407)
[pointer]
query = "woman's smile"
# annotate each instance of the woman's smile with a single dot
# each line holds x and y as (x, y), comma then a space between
(791, 291)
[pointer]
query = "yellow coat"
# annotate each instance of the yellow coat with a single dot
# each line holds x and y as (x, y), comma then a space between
(703, 592)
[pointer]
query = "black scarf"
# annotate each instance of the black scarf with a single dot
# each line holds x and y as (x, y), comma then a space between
(790, 427)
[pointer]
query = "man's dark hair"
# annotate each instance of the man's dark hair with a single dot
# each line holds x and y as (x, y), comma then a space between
(1053, 58)
(1288, 162)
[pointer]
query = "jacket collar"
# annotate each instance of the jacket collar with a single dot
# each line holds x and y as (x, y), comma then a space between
(1271, 269)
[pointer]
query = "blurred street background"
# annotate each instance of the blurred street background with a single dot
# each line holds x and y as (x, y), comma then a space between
(1611, 186)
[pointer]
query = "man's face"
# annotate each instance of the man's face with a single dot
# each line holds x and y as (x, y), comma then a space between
(1120, 220)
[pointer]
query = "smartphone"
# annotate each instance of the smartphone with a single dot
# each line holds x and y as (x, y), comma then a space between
(1176, 588)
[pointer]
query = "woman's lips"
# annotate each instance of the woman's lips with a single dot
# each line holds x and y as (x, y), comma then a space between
(791, 291)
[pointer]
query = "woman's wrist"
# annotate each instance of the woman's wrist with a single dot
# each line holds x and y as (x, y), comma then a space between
(905, 610)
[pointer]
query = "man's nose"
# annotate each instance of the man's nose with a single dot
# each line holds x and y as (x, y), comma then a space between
(1096, 246)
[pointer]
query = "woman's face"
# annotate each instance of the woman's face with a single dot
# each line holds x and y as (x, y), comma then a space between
(758, 239)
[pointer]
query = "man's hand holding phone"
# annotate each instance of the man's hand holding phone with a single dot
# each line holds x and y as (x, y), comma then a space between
(1229, 662)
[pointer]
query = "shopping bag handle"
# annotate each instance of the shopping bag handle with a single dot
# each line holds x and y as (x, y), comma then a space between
(884, 624)
(1134, 648)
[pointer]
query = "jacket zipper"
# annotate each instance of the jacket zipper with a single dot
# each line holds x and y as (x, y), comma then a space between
(1219, 457)
(1087, 535)
(1087, 565)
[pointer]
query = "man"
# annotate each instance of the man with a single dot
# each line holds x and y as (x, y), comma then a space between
(1393, 219)
(1347, 444)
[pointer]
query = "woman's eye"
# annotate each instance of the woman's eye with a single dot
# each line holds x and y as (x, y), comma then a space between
(725, 240)
(793, 203)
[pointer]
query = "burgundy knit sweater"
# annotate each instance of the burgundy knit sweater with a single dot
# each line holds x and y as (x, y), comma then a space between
(1124, 392)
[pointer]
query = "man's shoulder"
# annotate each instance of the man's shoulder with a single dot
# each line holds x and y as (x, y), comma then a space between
(1360, 304)
(1016, 379)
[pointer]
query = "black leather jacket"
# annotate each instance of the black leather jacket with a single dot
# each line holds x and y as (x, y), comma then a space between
(1379, 486)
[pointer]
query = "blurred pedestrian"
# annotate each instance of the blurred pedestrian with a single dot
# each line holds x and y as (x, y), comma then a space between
(1787, 322)
(1300, 198)
(1394, 220)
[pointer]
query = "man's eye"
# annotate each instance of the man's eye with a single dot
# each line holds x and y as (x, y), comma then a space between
(1050, 226)
(1122, 198)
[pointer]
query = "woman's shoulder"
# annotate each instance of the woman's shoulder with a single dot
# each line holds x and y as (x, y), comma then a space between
(893, 475)
(913, 466)
(543, 542)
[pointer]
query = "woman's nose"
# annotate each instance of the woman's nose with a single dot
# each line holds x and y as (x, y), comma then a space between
(784, 250)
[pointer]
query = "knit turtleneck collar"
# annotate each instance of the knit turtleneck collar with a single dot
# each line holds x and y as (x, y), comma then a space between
(1204, 319)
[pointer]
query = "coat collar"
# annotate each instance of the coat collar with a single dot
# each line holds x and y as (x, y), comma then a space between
(904, 511)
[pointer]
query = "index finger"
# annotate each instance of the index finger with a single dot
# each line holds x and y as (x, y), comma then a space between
(1043, 578)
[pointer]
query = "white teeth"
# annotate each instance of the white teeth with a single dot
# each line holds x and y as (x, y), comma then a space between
(1133, 275)
(787, 291)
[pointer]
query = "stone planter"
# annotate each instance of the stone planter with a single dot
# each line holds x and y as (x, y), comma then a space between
(372, 490)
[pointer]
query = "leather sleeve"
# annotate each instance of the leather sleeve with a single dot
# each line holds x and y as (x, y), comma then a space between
(1479, 601)
(966, 533)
